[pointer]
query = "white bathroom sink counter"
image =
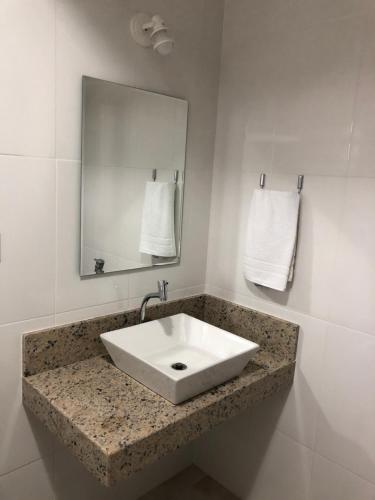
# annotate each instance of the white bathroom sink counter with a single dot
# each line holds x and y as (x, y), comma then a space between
(114, 424)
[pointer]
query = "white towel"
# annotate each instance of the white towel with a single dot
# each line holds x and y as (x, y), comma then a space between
(157, 231)
(271, 238)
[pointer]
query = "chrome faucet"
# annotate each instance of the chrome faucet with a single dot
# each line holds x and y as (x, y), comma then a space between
(160, 294)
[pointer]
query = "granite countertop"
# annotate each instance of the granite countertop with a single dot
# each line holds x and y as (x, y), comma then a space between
(115, 425)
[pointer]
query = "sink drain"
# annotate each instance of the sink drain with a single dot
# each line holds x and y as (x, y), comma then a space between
(179, 366)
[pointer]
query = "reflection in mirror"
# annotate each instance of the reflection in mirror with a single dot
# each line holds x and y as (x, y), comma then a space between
(133, 160)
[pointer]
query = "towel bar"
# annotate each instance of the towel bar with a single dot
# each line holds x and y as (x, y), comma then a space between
(262, 182)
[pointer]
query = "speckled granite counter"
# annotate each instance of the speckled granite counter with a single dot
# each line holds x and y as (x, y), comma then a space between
(113, 424)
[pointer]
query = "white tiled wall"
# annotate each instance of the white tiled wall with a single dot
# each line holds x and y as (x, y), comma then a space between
(27, 53)
(45, 47)
(297, 93)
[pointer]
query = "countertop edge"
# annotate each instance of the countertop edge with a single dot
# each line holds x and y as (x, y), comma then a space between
(176, 435)
(65, 431)
(109, 467)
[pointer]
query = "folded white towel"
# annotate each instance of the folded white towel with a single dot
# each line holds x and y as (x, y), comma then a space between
(157, 232)
(271, 238)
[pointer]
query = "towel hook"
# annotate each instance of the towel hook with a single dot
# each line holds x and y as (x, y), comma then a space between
(154, 172)
(175, 177)
(262, 181)
(300, 183)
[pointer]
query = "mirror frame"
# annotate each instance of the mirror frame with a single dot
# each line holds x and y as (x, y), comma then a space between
(181, 181)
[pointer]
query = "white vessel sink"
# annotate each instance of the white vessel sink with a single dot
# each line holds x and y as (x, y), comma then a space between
(179, 356)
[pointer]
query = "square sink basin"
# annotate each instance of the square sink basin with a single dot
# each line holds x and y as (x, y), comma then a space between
(178, 356)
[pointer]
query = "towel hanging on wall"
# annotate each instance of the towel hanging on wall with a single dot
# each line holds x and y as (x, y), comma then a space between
(158, 229)
(271, 238)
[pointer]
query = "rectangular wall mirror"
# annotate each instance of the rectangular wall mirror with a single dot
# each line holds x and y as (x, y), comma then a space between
(133, 161)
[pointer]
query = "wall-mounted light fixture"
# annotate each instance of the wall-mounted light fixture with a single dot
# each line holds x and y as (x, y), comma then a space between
(151, 32)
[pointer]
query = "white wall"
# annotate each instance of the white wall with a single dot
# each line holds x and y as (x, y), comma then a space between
(297, 96)
(45, 47)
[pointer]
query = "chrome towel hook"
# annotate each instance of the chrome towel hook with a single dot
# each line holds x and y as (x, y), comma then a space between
(262, 181)
(300, 183)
